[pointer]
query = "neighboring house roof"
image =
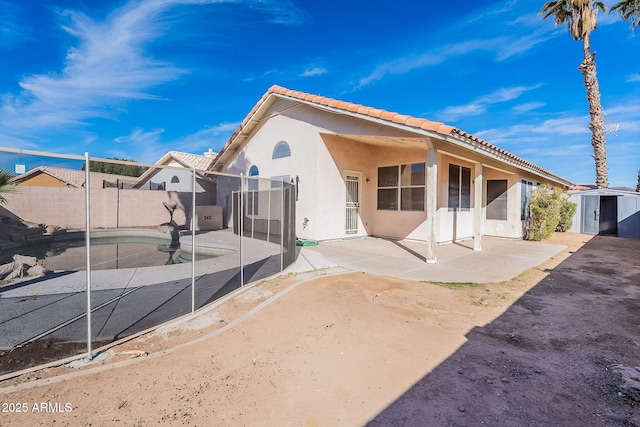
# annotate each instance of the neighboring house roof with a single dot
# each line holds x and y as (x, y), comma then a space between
(412, 124)
(186, 160)
(72, 177)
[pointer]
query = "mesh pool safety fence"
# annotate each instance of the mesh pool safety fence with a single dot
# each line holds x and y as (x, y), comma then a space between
(62, 297)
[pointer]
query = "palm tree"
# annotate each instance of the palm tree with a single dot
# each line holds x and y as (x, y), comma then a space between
(5, 187)
(638, 184)
(628, 9)
(581, 18)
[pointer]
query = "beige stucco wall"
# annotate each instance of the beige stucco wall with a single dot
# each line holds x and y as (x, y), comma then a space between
(110, 208)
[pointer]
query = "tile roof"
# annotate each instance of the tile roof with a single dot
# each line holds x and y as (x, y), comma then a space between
(187, 160)
(74, 177)
(191, 160)
(391, 117)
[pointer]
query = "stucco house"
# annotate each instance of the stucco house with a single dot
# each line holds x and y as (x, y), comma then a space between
(177, 178)
(49, 176)
(362, 171)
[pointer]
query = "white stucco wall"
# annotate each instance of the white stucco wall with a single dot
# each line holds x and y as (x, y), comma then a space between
(184, 177)
(321, 151)
(318, 159)
(302, 139)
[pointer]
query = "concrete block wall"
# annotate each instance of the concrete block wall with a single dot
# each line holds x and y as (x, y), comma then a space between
(110, 207)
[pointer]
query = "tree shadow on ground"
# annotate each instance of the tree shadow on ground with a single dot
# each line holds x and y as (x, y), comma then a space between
(548, 360)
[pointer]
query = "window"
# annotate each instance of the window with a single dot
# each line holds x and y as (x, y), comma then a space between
(253, 185)
(459, 188)
(497, 199)
(526, 187)
(175, 180)
(401, 187)
(281, 150)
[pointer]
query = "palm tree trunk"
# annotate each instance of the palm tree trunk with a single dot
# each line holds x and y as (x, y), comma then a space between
(588, 69)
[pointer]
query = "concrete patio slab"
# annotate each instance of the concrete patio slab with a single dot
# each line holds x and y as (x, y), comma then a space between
(499, 259)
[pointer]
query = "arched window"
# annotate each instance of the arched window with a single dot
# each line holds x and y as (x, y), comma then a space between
(253, 171)
(281, 150)
(175, 180)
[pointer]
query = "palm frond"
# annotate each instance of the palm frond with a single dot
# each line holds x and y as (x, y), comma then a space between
(5, 186)
(628, 10)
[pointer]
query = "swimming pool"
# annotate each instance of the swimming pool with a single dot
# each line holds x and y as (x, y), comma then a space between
(109, 253)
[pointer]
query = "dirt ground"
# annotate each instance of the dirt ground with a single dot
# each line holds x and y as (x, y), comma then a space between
(334, 348)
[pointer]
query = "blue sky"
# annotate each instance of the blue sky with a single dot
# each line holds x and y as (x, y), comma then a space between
(136, 79)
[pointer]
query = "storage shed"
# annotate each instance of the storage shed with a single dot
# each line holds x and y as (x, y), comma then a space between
(607, 211)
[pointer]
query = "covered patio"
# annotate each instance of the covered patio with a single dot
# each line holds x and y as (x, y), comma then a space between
(499, 260)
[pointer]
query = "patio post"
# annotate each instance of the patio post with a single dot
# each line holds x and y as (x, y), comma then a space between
(431, 201)
(193, 242)
(478, 209)
(87, 236)
(241, 228)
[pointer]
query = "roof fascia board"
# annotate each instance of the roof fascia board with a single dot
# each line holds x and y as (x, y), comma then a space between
(489, 152)
(466, 159)
(251, 122)
(459, 141)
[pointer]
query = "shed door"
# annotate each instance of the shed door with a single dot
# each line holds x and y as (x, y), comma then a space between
(590, 214)
(609, 215)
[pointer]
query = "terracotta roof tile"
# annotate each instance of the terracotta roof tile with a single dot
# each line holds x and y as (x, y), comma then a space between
(409, 121)
(375, 112)
(400, 118)
(387, 115)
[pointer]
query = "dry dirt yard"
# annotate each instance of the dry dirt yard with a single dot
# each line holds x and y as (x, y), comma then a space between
(334, 348)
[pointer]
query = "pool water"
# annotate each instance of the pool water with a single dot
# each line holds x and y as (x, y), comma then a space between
(109, 253)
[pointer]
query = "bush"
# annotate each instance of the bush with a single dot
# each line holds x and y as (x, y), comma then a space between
(550, 211)
(567, 211)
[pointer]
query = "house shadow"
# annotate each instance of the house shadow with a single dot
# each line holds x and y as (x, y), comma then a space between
(549, 359)
(409, 250)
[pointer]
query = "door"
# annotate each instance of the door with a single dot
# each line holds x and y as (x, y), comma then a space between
(590, 214)
(352, 202)
(609, 215)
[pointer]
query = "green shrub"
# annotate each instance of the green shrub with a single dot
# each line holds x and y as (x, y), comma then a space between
(550, 211)
(567, 211)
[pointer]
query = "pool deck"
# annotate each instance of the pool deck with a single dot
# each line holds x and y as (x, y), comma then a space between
(129, 300)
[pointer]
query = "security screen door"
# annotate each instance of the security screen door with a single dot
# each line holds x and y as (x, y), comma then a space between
(352, 202)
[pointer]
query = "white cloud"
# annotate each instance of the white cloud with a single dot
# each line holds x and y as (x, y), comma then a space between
(314, 71)
(632, 78)
(528, 106)
(526, 32)
(408, 63)
(139, 137)
(209, 137)
(479, 106)
(148, 147)
(108, 66)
